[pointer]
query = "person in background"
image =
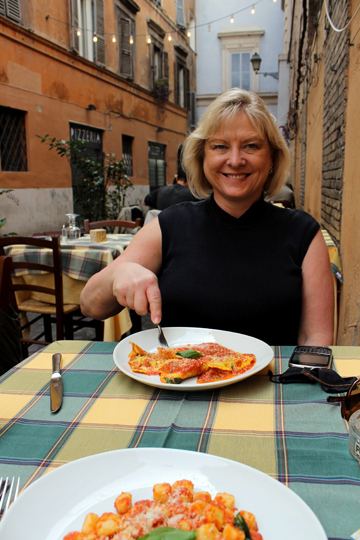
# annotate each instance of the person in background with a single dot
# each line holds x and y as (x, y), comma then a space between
(231, 261)
(175, 193)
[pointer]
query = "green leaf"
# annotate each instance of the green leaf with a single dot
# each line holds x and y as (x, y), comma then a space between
(168, 533)
(190, 353)
(175, 380)
(241, 524)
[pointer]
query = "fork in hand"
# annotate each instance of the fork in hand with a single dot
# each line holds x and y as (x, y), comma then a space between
(5, 488)
(162, 338)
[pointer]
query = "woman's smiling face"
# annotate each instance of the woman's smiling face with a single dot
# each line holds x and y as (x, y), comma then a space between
(237, 161)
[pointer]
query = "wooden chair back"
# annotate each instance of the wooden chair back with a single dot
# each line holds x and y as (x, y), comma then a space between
(55, 268)
(5, 282)
(111, 223)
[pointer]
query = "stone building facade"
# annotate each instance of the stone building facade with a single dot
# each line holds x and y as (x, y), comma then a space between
(90, 69)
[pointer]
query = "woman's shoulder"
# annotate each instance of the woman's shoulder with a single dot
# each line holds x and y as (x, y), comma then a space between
(294, 217)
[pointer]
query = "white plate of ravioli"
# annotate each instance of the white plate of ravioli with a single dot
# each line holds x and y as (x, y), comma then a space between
(59, 501)
(182, 336)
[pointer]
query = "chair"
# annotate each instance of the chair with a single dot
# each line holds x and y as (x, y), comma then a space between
(111, 223)
(46, 233)
(10, 328)
(67, 317)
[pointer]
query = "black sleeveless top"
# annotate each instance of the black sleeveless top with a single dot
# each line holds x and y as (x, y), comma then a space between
(241, 275)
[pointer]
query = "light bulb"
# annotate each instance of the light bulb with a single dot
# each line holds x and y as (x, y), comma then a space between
(149, 39)
(78, 33)
(232, 19)
(188, 33)
(169, 36)
(95, 38)
(253, 10)
(114, 38)
(131, 40)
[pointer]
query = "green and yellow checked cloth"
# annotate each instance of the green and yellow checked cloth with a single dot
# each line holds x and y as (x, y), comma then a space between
(287, 431)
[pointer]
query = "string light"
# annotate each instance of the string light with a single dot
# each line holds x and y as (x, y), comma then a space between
(79, 31)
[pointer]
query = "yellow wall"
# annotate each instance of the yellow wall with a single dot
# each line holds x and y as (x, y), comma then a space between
(350, 223)
(314, 143)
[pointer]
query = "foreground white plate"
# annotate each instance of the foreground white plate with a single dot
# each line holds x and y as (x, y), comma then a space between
(148, 340)
(58, 502)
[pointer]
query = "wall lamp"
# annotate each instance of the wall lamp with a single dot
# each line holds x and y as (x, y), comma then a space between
(91, 107)
(256, 62)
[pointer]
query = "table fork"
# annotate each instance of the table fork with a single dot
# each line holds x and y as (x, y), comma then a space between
(6, 488)
(162, 338)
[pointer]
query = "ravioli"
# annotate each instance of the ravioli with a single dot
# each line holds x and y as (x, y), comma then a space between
(210, 362)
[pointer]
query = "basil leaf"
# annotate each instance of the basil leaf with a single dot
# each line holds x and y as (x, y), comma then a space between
(169, 533)
(241, 524)
(190, 353)
(175, 380)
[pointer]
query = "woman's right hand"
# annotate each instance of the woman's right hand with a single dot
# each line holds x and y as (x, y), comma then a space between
(136, 287)
(129, 281)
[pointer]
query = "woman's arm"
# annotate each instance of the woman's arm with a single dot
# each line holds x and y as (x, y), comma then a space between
(317, 315)
(130, 281)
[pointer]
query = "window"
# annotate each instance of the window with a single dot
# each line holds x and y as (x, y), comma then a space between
(238, 46)
(127, 154)
(180, 14)
(87, 21)
(159, 59)
(182, 78)
(240, 70)
(126, 9)
(157, 165)
(12, 140)
(11, 9)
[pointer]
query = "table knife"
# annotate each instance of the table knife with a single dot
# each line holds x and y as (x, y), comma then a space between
(56, 387)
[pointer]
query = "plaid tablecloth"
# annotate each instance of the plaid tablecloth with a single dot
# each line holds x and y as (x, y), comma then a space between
(287, 431)
(80, 259)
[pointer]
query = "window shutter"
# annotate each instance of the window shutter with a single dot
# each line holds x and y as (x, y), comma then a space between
(100, 32)
(180, 13)
(74, 38)
(192, 110)
(152, 68)
(2, 7)
(125, 48)
(13, 10)
(166, 66)
(176, 82)
(187, 88)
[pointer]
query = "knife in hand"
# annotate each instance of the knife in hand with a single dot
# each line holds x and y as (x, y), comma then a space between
(56, 387)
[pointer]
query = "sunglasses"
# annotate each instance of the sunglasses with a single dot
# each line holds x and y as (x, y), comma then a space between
(349, 403)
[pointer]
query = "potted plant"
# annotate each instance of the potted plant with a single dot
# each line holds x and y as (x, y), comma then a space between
(162, 91)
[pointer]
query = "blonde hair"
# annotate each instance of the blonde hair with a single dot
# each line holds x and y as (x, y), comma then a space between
(221, 109)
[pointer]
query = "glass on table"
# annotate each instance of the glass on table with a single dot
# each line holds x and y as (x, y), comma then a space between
(354, 435)
(72, 231)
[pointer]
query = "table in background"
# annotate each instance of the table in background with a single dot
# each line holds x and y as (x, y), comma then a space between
(287, 431)
(80, 260)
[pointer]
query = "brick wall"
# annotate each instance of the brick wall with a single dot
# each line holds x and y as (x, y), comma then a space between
(335, 88)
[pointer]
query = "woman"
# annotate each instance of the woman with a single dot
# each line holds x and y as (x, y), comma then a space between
(231, 261)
